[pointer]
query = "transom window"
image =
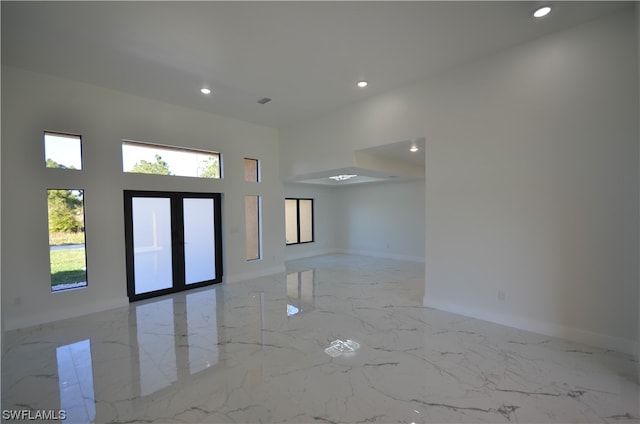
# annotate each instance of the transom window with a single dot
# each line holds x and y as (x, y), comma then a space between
(145, 158)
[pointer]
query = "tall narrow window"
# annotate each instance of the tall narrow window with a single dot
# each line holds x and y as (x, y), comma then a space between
(298, 221)
(251, 170)
(305, 217)
(252, 225)
(291, 220)
(62, 151)
(144, 158)
(66, 239)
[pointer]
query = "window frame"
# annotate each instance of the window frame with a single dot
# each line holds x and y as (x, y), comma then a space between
(67, 135)
(170, 148)
(298, 226)
(258, 175)
(84, 248)
(176, 199)
(258, 225)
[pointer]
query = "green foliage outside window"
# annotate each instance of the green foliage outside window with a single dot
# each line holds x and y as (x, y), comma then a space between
(53, 164)
(159, 167)
(209, 168)
(66, 227)
(65, 211)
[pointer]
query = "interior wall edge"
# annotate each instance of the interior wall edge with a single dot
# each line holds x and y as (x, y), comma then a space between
(638, 48)
(243, 276)
(374, 254)
(310, 254)
(588, 338)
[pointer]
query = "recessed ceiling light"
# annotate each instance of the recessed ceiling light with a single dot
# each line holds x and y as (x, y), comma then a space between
(414, 149)
(205, 91)
(541, 12)
(362, 84)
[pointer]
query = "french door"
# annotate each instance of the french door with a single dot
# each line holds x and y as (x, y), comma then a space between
(173, 241)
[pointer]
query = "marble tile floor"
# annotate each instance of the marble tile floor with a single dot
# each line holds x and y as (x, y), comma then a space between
(261, 351)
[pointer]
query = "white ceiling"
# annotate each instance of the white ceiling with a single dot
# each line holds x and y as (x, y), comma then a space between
(401, 151)
(306, 56)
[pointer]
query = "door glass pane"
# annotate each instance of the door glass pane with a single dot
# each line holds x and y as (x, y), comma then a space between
(199, 241)
(291, 220)
(152, 253)
(306, 220)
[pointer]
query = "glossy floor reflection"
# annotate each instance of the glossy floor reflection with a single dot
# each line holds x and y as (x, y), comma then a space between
(337, 339)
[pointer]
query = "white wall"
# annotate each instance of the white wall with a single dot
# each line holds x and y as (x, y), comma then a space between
(531, 179)
(2, 325)
(536, 192)
(32, 103)
(382, 219)
(374, 219)
(638, 47)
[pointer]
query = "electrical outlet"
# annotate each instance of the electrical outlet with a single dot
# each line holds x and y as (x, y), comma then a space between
(501, 295)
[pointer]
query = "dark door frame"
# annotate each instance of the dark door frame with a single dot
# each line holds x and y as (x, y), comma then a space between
(177, 240)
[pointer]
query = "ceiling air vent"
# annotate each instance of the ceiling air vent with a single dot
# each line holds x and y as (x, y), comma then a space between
(264, 100)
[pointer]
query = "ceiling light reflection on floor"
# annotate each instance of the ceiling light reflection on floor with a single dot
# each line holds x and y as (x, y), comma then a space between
(343, 177)
(292, 310)
(338, 347)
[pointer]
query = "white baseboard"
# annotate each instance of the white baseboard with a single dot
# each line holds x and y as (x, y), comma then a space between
(546, 328)
(234, 278)
(384, 255)
(85, 309)
(309, 254)
(66, 313)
